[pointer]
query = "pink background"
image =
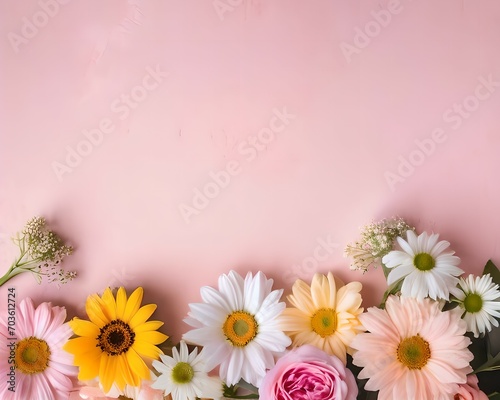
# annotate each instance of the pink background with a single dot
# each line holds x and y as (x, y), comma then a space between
(366, 82)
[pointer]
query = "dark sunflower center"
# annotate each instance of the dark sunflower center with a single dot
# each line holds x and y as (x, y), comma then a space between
(115, 338)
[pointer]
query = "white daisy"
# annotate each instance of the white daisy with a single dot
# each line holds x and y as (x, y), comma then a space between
(238, 326)
(424, 266)
(479, 297)
(184, 376)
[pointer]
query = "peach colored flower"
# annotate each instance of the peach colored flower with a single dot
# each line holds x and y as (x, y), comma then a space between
(412, 350)
(324, 314)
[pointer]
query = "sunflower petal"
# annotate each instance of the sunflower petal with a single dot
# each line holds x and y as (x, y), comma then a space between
(82, 327)
(137, 364)
(106, 372)
(114, 365)
(124, 369)
(80, 345)
(109, 304)
(153, 337)
(148, 326)
(133, 304)
(94, 309)
(146, 349)
(121, 302)
(89, 366)
(142, 315)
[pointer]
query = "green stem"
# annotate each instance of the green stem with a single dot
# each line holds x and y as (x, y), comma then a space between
(248, 396)
(12, 272)
(7, 276)
(18, 267)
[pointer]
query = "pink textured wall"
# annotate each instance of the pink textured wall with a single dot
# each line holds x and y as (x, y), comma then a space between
(314, 117)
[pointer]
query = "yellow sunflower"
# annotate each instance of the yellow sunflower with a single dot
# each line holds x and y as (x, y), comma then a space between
(114, 342)
(324, 315)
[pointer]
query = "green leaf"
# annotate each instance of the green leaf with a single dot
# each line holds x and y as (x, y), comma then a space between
(492, 269)
(385, 269)
(493, 364)
(393, 289)
(479, 348)
(231, 392)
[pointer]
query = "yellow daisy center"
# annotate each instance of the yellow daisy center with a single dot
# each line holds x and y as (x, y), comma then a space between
(424, 262)
(182, 373)
(115, 338)
(413, 352)
(32, 355)
(473, 303)
(324, 322)
(240, 328)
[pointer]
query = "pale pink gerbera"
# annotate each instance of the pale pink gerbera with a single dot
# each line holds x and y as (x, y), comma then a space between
(412, 350)
(32, 360)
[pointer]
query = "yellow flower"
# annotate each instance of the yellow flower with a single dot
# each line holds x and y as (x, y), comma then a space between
(324, 316)
(114, 342)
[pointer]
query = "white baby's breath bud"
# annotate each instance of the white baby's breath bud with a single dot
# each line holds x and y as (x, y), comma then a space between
(377, 239)
(42, 252)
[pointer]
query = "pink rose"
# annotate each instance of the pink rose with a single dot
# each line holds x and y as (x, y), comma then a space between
(307, 372)
(470, 390)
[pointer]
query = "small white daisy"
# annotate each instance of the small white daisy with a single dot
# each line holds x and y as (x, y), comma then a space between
(238, 326)
(424, 266)
(479, 297)
(184, 376)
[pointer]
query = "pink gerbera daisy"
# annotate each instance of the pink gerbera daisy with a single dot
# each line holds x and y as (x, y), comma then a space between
(413, 350)
(31, 356)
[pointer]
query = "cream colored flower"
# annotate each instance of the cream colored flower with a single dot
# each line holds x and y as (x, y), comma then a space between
(324, 314)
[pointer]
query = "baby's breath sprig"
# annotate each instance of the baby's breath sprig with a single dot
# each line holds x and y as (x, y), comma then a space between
(41, 253)
(377, 239)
